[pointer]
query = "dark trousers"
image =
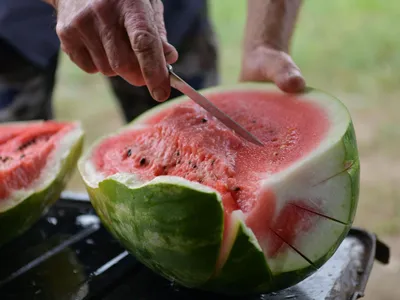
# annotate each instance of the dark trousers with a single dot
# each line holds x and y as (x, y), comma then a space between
(26, 90)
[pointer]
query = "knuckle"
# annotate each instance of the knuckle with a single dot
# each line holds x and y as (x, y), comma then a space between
(69, 30)
(143, 41)
(81, 20)
(100, 6)
(63, 31)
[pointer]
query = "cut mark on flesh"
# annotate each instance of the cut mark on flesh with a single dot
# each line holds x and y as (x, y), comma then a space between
(294, 249)
(348, 166)
(318, 214)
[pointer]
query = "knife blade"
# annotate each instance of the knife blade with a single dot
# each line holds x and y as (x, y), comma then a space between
(179, 84)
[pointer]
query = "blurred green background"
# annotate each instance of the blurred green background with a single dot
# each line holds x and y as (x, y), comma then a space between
(349, 48)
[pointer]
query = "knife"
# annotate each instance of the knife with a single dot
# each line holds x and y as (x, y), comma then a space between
(179, 84)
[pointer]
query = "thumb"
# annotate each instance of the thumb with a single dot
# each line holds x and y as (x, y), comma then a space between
(281, 69)
(170, 53)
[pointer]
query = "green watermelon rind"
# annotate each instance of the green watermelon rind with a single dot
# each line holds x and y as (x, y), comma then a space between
(247, 281)
(222, 280)
(19, 218)
(146, 222)
(245, 269)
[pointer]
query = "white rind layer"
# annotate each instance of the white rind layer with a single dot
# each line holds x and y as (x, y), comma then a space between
(52, 168)
(321, 180)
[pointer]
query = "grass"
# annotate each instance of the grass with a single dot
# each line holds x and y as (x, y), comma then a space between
(347, 47)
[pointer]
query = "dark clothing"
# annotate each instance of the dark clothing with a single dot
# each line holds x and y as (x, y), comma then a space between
(29, 48)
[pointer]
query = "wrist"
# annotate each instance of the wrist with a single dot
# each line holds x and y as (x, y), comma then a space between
(270, 24)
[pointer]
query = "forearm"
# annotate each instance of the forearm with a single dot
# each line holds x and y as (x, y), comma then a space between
(270, 22)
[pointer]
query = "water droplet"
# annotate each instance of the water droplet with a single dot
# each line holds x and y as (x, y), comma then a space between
(87, 220)
(90, 242)
(52, 220)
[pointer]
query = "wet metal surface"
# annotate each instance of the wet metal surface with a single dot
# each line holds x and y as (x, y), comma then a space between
(69, 255)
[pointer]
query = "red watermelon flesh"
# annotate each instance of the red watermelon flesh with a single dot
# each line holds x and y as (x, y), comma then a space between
(184, 140)
(24, 152)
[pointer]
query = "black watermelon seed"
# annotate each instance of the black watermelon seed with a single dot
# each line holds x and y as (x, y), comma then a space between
(204, 120)
(142, 161)
(177, 153)
(236, 189)
(129, 152)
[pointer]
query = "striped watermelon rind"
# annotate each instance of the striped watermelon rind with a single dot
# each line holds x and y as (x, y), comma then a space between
(175, 226)
(22, 213)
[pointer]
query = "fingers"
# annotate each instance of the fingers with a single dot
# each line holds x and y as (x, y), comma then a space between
(83, 59)
(89, 30)
(72, 45)
(170, 53)
(266, 64)
(115, 40)
(146, 42)
(287, 75)
(281, 69)
(125, 38)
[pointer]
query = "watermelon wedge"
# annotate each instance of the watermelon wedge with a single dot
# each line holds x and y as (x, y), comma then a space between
(36, 160)
(208, 210)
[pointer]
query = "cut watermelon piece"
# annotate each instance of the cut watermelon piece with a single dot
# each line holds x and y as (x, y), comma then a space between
(36, 160)
(209, 210)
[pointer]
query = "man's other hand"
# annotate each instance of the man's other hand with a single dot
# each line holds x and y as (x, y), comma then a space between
(269, 65)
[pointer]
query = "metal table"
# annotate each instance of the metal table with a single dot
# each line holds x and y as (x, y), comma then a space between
(69, 255)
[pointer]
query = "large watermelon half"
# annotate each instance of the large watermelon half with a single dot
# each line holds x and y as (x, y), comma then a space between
(36, 160)
(200, 206)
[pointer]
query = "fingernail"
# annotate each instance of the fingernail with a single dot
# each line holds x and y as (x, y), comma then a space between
(159, 94)
(296, 84)
(293, 82)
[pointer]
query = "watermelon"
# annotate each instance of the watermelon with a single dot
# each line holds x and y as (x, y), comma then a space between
(36, 158)
(208, 210)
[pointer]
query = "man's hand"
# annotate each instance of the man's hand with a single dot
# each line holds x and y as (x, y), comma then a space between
(269, 29)
(118, 37)
(267, 64)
